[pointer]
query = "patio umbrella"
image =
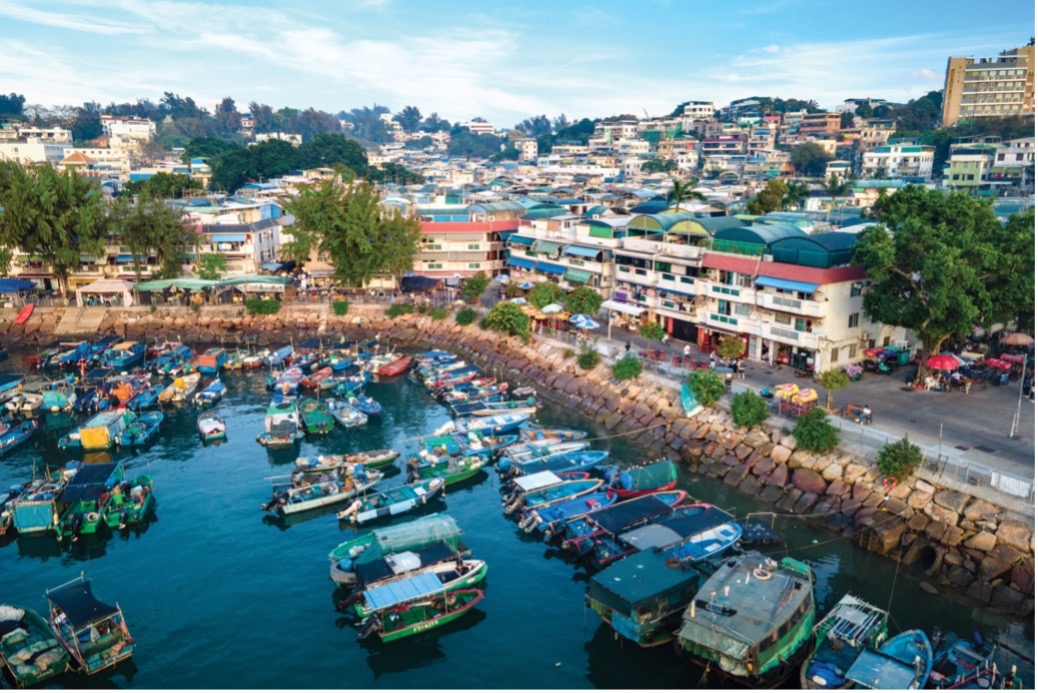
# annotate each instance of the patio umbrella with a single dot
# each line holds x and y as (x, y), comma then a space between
(583, 322)
(552, 308)
(1018, 339)
(941, 362)
(526, 286)
(998, 363)
(962, 361)
(518, 300)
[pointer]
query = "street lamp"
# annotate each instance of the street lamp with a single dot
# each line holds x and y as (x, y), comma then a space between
(1014, 431)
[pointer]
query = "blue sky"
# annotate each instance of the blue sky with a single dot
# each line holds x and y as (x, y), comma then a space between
(501, 60)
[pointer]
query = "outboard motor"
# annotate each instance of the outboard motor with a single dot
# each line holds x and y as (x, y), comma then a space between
(77, 526)
(369, 626)
(124, 519)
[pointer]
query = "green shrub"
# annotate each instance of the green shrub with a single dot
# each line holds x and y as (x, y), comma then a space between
(729, 348)
(899, 459)
(474, 287)
(814, 433)
(340, 307)
(706, 386)
(509, 319)
(651, 330)
(262, 306)
(568, 353)
(421, 309)
(833, 381)
(545, 293)
(584, 300)
(627, 368)
(439, 313)
(588, 359)
(749, 409)
(465, 316)
(395, 310)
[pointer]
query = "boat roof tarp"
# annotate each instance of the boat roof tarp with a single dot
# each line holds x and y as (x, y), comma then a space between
(377, 570)
(638, 578)
(615, 518)
(92, 474)
(400, 591)
(879, 671)
(677, 527)
(80, 605)
(419, 284)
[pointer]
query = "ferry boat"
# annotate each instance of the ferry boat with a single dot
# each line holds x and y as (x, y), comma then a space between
(751, 620)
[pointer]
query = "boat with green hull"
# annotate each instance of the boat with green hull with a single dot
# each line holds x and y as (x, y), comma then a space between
(453, 470)
(430, 580)
(28, 650)
(316, 418)
(86, 500)
(412, 619)
(752, 620)
(131, 503)
(391, 502)
(94, 633)
(851, 627)
(372, 459)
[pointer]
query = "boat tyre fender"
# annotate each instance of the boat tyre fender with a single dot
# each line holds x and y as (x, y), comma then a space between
(673, 562)
(889, 482)
(761, 574)
(92, 517)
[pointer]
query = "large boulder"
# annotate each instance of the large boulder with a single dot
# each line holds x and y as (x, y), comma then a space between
(1022, 577)
(781, 454)
(981, 510)
(801, 458)
(809, 481)
(853, 471)
(951, 500)
(1014, 533)
(880, 533)
(919, 499)
(832, 472)
(991, 568)
(981, 541)
(756, 438)
(838, 487)
(952, 536)
(779, 476)
(1007, 599)
(936, 512)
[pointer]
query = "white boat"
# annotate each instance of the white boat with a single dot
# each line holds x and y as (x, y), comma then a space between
(345, 414)
(289, 500)
(181, 388)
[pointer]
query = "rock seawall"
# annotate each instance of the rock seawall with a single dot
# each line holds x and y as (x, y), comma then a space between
(966, 544)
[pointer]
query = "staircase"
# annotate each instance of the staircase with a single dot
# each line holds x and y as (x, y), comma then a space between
(81, 321)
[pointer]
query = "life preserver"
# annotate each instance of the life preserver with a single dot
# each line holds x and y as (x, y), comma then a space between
(889, 482)
(762, 574)
(92, 517)
(673, 562)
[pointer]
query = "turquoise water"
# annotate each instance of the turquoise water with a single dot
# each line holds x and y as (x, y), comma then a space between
(217, 596)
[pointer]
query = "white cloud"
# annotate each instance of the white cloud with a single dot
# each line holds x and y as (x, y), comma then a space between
(772, 49)
(65, 20)
(926, 73)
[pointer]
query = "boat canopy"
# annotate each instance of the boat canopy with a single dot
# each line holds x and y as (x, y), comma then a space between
(642, 578)
(681, 525)
(424, 531)
(376, 571)
(400, 591)
(877, 670)
(531, 482)
(615, 518)
(78, 602)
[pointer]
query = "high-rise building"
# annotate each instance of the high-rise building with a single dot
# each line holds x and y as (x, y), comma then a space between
(989, 87)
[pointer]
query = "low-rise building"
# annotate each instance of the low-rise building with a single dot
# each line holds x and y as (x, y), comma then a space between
(898, 161)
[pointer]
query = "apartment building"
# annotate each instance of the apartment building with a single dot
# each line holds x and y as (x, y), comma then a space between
(968, 165)
(989, 87)
(569, 249)
(28, 145)
(819, 123)
(460, 240)
(698, 110)
(898, 161)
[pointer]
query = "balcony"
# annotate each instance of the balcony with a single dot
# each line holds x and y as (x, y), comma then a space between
(718, 290)
(786, 335)
(664, 249)
(786, 304)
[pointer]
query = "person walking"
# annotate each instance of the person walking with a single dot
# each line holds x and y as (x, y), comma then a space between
(740, 369)
(728, 382)
(627, 348)
(687, 351)
(713, 360)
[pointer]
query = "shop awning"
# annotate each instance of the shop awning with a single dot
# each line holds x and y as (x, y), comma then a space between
(550, 268)
(546, 247)
(623, 307)
(579, 251)
(520, 262)
(578, 276)
(786, 285)
(521, 240)
(228, 237)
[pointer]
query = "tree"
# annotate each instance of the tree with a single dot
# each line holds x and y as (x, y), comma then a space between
(149, 226)
(544, 294)
(475, 286)
(584, 300)
(409, 118)
(211, 265)
(11, 105)
(834, 188)
(706, 386)
(944, 264)
(864, 110)
(509, 319)
(796, 194)
(681, 192)
(749, 409)
(809, 159)
(846, 120)
(87, 123)
(833, 381)
(53, 215)
(769, 199)
(627, 368)
(658, 165)
(535, 126)
(899, 460)
(162, 186)
(730, 348)
(343, 220)
(652, 330)
(434, 123)
(814, 432)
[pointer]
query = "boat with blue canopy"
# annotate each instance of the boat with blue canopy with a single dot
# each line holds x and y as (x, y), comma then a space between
(901, 663)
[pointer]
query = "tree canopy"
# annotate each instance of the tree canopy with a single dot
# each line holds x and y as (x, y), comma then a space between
(772, 198)
(941, 264)
(343, 221)
(150, 226)
(809, 159)
(162, 186)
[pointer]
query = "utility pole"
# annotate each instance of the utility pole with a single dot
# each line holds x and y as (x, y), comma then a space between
(1014, 431)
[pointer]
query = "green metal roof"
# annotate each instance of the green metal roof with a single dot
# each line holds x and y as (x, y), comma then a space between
(762, 234)
(820, 250)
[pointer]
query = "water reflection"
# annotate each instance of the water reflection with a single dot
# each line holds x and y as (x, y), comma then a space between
(617, 663)
(418, 651)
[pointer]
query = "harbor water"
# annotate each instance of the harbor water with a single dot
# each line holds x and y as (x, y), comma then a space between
(217, 595)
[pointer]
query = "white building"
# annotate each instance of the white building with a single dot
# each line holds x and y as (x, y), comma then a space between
(28, 145)
(898, 161)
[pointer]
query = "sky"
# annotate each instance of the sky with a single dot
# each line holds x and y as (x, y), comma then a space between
(501, 60)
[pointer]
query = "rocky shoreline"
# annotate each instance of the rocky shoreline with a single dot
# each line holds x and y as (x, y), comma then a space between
(968, 544)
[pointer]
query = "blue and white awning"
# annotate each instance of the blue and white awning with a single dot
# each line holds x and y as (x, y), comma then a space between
(786, 285)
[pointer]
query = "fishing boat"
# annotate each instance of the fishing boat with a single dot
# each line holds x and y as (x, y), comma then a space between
(484, 425)
(339, 360)
(418, 617)
(172, 361)
(366, 405)
(236, 360)
(123, 355)
(901, 663)
(548, 518)
(143, 430)
(13, 437)
(346, 415)
(287, 383)
(310, 381)
(210, 395)
(36, 508)
(256, 359)
(25, 403)
(94, 633)
(392, 502)
(575, 461)
(85, 500)
(9, 382)
(852, 626)
(58, 398)
(315, 417)
(961, 663)
(558, 493)
(7, 500)
(279, 356)
(146, 398)
(538, 451)
(451, 574)
(484, 408)
(395, 368)
(180, 389)
(281, 424)
(635, 481)
(326, 463)
(29, 652)
(72, 353)
(368, 548)
(211, 361)
(616, 519)
(211, 427)
(130, 503)
(453, 470)
(100, 432)
(288, 500)
(438, 447)
(751, 620)
(125, 387)
(531, 433)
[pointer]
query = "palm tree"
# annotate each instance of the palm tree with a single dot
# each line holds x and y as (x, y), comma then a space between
(795, 195)
(836, 188)
(680, 192)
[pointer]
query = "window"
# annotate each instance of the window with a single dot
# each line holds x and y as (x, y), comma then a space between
(435, 265)
(473, 246)
(856, 289)
(852, 321)
(834, 355)
(852, 351)
(782, 319)
(724, 307)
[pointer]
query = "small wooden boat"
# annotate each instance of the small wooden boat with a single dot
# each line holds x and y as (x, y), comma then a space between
(961, 663)
(484, 425)
(558, 493)
(131, 503)
(28, 649)
(640, 480)
(366, 405)
(288, 500)
(548, 518)
(452, 470)
(255, 360)
(392, 502)
(25, 403)
(180, 389)
(454, 573)
(901, 663)
(85, 500)
(852, 626)
(575, 461)
(123, 356)
(146, 398)
(13, 437)
(100, 432)
(210, 395)
(212, 361)
(310, 381)
(485, 408)
(346, 415)
(236, 360)
(58, 399)
(615, 519)
(24, 314)
(326, 463)
(211, 427)
(94, 633)
(143, 430)
(278, 357)
(456, 444)
(315, 417)
(36, 508)
(537, 451)
(395, 368)
(411, 619)
(287, 383)
(173, 359)
(281, 425)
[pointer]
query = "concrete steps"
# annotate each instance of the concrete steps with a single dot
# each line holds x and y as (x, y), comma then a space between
(80, 321)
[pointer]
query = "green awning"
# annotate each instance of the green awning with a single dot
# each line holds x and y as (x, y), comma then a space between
(578, 276)
(546, 247)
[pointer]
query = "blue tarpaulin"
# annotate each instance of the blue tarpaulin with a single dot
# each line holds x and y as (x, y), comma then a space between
(228, 237)
(580, 251)
(11, 286)
(549, 268)
(786, 285)
(520, 262)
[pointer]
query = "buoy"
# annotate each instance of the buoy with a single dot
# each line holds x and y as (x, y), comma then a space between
(889, 482)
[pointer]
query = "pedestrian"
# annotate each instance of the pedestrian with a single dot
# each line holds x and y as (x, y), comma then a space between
(627, 348)
(728, 382)
(687, 350)
(665, 338)
(713, 360)
(740, 367)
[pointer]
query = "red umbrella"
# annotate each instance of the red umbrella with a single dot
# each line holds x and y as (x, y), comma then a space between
(998, 363)
(1018, 339)
(942, 362)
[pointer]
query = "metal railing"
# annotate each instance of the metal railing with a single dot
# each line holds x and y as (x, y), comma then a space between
(977, 474)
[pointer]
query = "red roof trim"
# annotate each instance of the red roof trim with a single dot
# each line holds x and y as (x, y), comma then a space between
(469, 226)
(781, 270)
